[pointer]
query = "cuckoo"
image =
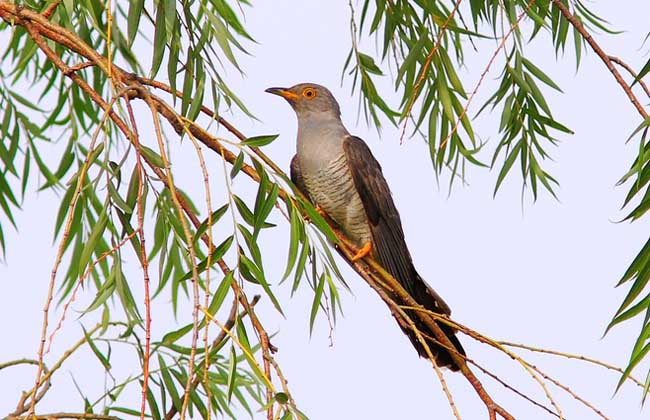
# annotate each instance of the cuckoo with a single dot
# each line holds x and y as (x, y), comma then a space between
(339, 174)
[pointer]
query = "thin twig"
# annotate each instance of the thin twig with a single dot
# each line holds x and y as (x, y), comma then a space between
(571, 356)
(47, 13)
(81, 281)
(47, 374)
(603, 56)
(513, 389)
(142, 176)
(631, 71)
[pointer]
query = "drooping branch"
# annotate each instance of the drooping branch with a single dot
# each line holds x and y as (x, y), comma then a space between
(631, 71)
(603, 56)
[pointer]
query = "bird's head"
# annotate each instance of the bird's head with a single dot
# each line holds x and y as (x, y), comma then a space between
(308, 99)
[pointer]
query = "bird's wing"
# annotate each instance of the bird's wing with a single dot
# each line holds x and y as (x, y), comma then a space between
(296, 176)
(385, 224)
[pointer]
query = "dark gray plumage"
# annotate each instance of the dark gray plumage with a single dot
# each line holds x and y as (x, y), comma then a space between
(338, 173)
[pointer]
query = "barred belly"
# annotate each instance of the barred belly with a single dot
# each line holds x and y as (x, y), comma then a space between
(332, 189)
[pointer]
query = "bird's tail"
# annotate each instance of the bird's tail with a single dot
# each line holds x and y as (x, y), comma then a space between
(431, 301)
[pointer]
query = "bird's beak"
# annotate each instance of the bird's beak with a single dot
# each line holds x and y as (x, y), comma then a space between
(284, 92)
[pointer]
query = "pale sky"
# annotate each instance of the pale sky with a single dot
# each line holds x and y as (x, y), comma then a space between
(537, 273)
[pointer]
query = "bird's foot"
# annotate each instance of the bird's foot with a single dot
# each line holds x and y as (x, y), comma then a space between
(363, 251)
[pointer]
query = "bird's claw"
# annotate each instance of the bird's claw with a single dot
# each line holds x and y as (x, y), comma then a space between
(363, 251)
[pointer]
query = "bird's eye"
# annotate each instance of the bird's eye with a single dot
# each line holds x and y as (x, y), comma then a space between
(309, 93)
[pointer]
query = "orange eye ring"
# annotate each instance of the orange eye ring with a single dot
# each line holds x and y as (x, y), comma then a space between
(309, 93)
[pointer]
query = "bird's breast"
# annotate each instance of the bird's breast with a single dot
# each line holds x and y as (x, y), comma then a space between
(331, 187)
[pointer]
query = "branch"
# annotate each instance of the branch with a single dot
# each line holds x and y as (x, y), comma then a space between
(631, 71)
(603, 56)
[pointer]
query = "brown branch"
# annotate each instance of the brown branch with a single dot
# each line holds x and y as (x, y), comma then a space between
(47, 13)
(210, 113)
(528, 366)
(266, 361)
(570, 392)
(513, 389)
(144, 262)
(603, 56)
(21, 407)
(81, 281)
(169, 182)
(631, 71)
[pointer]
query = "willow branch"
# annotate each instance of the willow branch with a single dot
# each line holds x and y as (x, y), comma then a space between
(631, 71)
(603, 56)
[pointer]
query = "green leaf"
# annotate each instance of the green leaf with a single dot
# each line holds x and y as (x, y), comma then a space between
(153, 405)
(507, 165)
(169, 384)
(152, 157)
(210, 221)
(281, 397)
(159, 41)
(260, 278)
(100, 356)
(93, 239)
(232, 372)
(294, 241)
(259, 141)
(300, 268)
(216, 255)
(368, 63)
(220, 294)
(133, 19)
(318, 294)
(644, 70)
(539, 74)
(173, 336)
(636, 309)
(236, 167)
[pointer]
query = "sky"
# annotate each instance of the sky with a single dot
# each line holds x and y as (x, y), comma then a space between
(539, 273)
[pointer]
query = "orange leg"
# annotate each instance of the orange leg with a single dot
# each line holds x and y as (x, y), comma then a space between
(365, 250)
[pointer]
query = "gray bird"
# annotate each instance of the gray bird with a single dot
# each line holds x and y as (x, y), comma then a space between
(339, 174)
